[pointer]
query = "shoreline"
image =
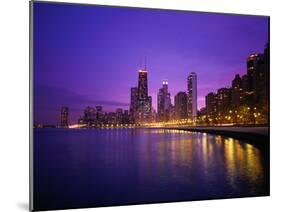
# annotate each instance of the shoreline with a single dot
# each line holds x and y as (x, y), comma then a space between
(258, 136)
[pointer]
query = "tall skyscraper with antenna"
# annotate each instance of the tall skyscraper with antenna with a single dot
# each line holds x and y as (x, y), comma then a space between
(144, 105)
(141, 102)
(142, 84)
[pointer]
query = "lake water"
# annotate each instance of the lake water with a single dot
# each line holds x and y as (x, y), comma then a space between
(99, 167)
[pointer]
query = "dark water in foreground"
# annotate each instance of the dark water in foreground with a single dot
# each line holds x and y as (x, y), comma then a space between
(99, 167)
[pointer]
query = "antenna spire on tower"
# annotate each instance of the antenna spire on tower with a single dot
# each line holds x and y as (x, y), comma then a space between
(145, 63)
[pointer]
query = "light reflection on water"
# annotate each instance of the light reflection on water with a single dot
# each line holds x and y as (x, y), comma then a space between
(199, 151)
(124, 166)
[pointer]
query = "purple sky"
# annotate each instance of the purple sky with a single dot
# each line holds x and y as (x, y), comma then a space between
(90, 55)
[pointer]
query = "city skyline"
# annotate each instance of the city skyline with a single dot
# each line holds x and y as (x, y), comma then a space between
(77, 81)
(245, 102)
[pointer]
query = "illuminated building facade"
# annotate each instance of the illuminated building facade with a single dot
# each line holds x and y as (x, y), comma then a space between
(248, 80)
(211, 105)
(192, 96)
(144, 102)
(133, 104)
(252, 64)
(142, 85)
(224, 100)
(163, 102)
(181, 105)
(266, 77)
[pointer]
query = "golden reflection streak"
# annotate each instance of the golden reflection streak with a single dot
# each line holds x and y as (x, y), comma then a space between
(253, 162)
(204, 150)
(238, 156)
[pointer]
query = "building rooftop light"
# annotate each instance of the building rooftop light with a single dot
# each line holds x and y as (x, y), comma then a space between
(142, 71)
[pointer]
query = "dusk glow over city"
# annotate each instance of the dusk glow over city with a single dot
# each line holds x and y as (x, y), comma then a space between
(88, 56)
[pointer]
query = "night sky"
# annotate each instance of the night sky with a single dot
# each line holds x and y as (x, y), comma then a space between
(90, 55)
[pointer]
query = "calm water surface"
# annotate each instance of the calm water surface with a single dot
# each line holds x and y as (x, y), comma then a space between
(99, 167)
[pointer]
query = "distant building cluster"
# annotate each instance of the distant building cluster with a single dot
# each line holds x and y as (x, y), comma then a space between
(96, 116)
(142, 112)
(185, 103)
(246, 101)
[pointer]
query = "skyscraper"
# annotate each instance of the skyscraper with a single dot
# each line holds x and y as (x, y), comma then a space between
(144, 101)
(236, 92)
(249, 80)
(64, 117)
(265, 103)
(192, 95)
(142, 85)
(160, 105)
(133, 103)
(224, 100)
(181, 105)
(245, 83)
(211, 104)
(252, 63)
(167, 96)
(163, 102)
(260, 82)
(266, 66)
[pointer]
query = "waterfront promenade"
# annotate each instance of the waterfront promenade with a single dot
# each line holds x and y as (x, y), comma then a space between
(253, 134)
(263, 131)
